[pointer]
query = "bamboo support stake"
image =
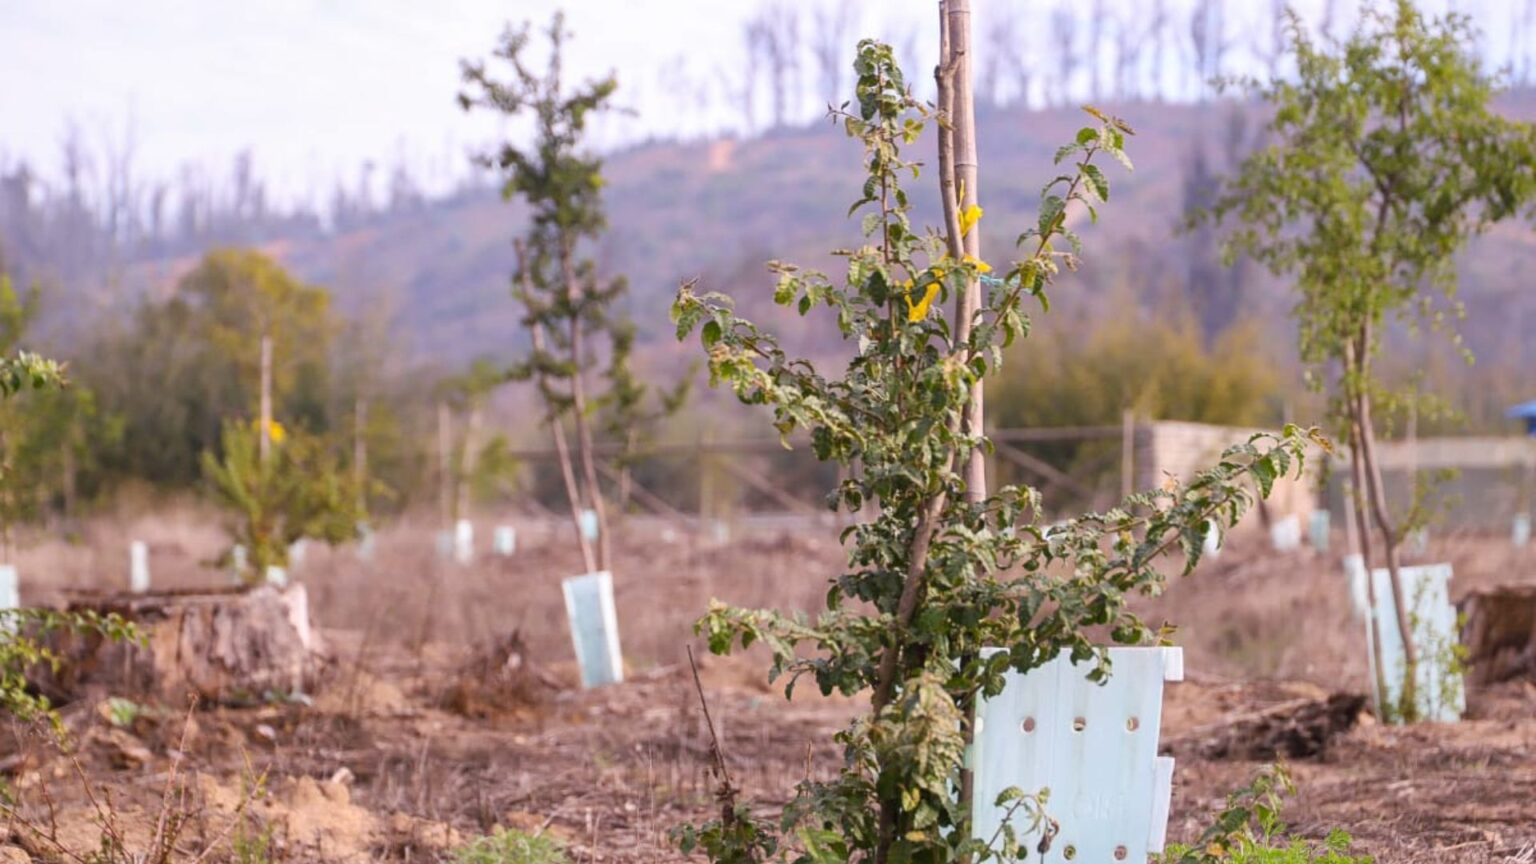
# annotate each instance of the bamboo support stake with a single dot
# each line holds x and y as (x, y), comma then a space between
(360, 451)
(955, 66)
(1127, 453)
(265, 451)
(444, 466)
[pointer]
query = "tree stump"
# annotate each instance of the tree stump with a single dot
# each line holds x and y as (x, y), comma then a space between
(231, 647)
(1499, 634)
(1295, 729)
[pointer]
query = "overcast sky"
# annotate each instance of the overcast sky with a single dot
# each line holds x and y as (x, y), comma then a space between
(315, 87)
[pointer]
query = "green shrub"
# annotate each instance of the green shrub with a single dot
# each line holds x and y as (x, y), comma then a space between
(1249, 831)
(510, 846)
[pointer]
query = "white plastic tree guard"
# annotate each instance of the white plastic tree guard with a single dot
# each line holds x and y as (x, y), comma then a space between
(588, 524)
(10, 594)
(504, 541)
(1093, 746)
(138, 567)
(1318, 527)
(464, 541)
(1520, 530)
(10, 587)
(594, 628)
(1211, 548)
(365, 541)
(1439, 691)
(1285, 533)
(298, 550)
(1354, 571)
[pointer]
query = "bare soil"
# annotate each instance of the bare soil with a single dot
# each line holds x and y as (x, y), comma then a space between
(424, 730)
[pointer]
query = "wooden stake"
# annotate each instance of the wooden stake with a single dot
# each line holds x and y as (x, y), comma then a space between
(444, 465)
(266, 399)
(466, 464)
(955, 66)
(360, 451)
(1127, 453)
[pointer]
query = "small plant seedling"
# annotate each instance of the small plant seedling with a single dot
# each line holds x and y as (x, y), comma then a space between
(510, 846)
(1249, 831)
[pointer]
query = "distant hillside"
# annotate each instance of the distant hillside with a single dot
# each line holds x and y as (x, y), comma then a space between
(717, 210)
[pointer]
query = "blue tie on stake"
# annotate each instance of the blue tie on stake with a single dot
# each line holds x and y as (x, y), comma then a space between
(1524, 411)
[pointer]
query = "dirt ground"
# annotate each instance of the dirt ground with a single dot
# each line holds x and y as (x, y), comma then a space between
(397, 758)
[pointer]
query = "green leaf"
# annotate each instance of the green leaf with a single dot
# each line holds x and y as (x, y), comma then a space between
(1265, 472)
(1096, 180)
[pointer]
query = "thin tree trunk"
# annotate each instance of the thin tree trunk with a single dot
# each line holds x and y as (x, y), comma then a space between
(579, 408)
(556, 428)
(70, 474)
(1361, 538)
(466, 459)
(567, 472)
(444, 466)
(890, 661)
(626, 470)
(1389, 538)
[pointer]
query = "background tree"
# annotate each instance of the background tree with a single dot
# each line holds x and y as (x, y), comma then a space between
(1068, 57)
(22, 647)
(570, 309)
(301, 490)
(1385, 160)
(47, 444)
(178, 368)
(466, 394)
(834, 21)
(1086, 371)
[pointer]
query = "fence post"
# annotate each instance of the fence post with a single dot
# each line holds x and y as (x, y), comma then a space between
(1127, 453)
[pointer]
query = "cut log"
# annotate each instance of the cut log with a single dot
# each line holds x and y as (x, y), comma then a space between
(230, 647)
(1294, 729)
(1499, 634)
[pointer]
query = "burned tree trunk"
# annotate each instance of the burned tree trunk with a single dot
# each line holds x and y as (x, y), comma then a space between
(232, 647)
(1499, 634)
(1296, 729)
